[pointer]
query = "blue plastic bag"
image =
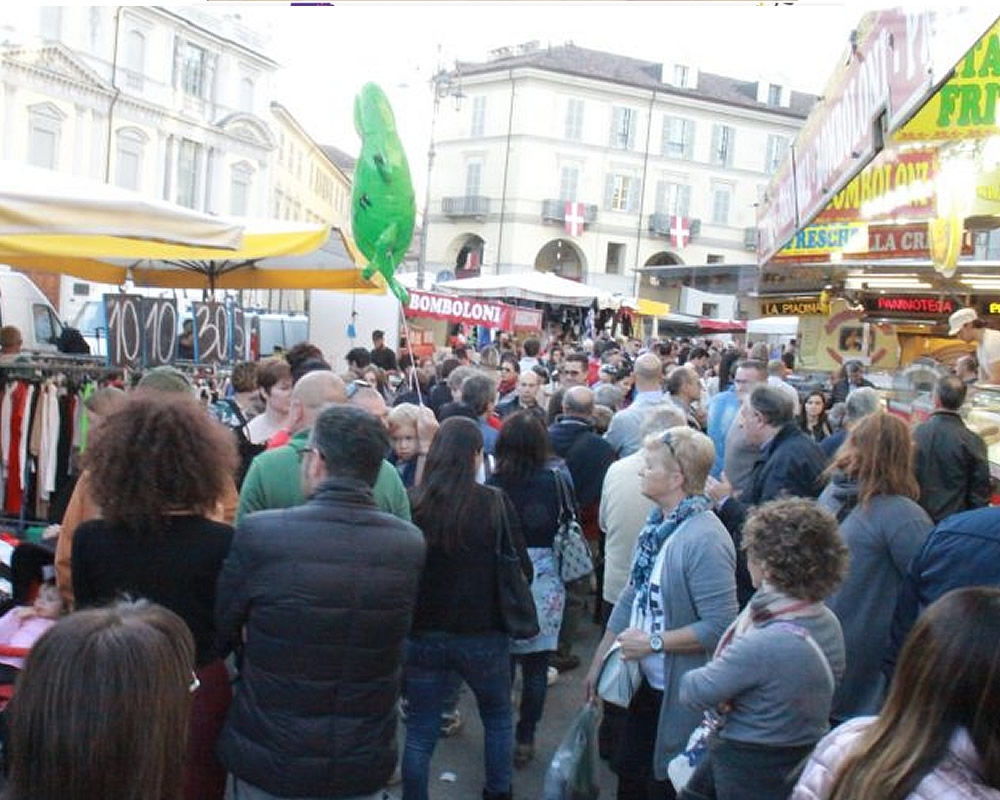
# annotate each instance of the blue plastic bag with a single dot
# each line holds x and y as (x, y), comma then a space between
(572, 775)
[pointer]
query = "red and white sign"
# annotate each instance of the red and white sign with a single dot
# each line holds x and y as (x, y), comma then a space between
(473, 311)
(680, 232)
(902, 241)
(574, 217)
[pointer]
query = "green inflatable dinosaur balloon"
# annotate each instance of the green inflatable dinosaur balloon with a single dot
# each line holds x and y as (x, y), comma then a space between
(382, 205)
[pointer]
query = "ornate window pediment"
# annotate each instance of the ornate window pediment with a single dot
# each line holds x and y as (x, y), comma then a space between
(248, 128)
(56, 60)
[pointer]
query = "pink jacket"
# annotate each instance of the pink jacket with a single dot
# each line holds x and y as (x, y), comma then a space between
(957, 777)
(17, 632)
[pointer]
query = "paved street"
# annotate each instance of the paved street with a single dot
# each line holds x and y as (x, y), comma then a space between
(462, 755)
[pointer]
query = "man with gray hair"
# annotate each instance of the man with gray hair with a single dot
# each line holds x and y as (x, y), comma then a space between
(789, 464)
(859, 404)
(588, 457)
(322, 650)
(623, 433)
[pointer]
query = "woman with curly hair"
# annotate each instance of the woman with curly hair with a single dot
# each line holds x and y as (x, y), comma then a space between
(873, 494)
(157, 468)
(939, 733)
(772, 678)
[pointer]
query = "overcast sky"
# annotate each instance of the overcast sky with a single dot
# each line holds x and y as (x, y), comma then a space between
(328, 53)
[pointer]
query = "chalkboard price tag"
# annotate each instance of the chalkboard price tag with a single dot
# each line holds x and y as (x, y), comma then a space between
(238, 338)
(159, 340)
(123, 313)
(211, 333)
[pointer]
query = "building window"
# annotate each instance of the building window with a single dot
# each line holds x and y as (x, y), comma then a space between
(777, 149)
(678, 137)
(246, 95)
(194, 61)
(478, 116)
(723, 140)
(44, 135)
(673, 199)
(569, 183)
(721, 197)
(681, 74)
(239, 189)
(623, 123)
(621, 193)
(50, 22)
(128, 163)
(135, 60)
(187, 173)
(473, 179)
(615, 259)
(574, 120)
(715, 258)
(710, 310)
(774, 95)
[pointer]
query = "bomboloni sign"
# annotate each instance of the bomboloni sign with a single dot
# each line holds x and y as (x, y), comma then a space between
(472, 311)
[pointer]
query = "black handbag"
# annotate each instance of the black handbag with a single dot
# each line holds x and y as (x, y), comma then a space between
(517, 604)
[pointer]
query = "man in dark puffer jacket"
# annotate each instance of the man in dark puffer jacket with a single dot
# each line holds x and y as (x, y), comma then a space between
(326, 592)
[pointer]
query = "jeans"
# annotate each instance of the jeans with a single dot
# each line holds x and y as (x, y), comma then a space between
(241, 790)
(483, 661)
(632, 760)
(534, 684)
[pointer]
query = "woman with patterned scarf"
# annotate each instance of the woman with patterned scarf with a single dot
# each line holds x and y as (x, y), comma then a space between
(680, 597)
(771, 681)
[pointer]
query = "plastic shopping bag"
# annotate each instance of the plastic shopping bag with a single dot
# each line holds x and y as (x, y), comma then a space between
(572, 775)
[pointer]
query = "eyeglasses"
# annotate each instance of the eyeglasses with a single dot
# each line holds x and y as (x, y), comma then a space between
(667, 439)
(195, 683)
(301, 452)
(571, 372)
(353, 386)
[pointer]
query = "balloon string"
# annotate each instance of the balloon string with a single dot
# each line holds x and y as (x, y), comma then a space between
(412, 377)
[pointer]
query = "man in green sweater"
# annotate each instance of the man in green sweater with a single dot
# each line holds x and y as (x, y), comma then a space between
(274, 479)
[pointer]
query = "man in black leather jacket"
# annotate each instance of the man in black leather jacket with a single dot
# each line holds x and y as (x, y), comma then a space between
(950, 460)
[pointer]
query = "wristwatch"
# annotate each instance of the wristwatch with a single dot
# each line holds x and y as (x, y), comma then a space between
(656, 642)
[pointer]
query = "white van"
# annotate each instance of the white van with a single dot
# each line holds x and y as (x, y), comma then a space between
(23, 305)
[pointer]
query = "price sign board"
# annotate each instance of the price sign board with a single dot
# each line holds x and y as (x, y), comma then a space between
(239, 338)
(123, 314)
(211, 333)
(159, 330)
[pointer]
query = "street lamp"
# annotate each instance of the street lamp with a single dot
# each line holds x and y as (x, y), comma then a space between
(444, 84)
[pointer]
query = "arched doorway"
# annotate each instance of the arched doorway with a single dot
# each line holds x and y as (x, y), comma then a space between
(562, 258)
(653, 280)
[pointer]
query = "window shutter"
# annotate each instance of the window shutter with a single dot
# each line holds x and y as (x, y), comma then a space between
(688, 133)
(609, 191)
(616, 125)
(634, 187)
(633, 123)
(730, 146)
(716, 143)
(684, 201)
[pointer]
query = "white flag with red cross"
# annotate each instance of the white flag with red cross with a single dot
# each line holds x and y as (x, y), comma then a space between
(573, 217)
(680, 232)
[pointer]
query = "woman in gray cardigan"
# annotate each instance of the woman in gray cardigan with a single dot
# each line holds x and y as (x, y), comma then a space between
(772, 678)
(680, 597)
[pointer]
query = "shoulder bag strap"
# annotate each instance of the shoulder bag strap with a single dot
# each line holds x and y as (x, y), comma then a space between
(498, 515)
(804, 633)
(562, 490)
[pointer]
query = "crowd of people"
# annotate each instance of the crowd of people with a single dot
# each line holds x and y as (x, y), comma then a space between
(256, 591)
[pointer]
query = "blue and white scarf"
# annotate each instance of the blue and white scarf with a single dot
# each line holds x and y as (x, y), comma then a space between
(651, 538)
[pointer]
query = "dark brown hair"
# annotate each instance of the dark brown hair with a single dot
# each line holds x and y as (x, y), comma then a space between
(159, 454)
(878, 454)
(947, 678)
(102, 708)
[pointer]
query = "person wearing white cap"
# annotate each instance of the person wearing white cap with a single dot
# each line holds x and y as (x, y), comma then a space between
(967, 326)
